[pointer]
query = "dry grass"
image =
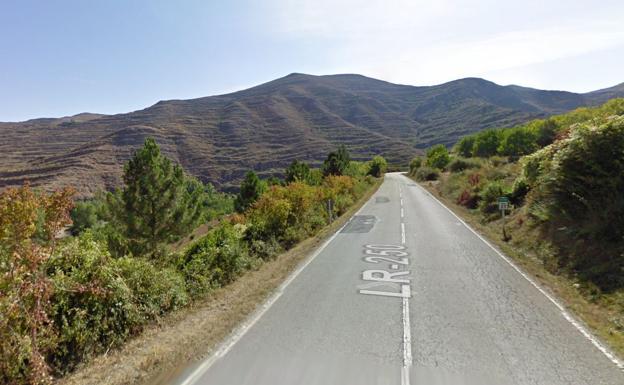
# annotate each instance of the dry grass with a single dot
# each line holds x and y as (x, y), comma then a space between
(597, 315)
(189, 335)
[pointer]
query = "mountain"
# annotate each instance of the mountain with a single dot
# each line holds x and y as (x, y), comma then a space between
(219, 138)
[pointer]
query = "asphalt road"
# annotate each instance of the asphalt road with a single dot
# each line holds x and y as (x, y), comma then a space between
(406, 293)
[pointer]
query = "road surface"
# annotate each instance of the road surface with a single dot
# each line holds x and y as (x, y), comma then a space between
(406, 293)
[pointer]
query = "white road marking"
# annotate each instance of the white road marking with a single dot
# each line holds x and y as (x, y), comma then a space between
(402, 233)
(407, 343)
(225, 347)
(611, 356)
(407, 328)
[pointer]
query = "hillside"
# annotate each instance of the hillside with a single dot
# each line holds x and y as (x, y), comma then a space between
(218, 138)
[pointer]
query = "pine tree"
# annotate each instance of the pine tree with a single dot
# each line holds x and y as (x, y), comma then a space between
(251, 189)
(157, 204)
(336, 162)
(297, 172)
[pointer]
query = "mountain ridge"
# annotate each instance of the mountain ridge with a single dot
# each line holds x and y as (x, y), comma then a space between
(298, 116)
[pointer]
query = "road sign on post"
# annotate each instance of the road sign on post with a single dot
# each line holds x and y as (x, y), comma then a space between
(503, 205)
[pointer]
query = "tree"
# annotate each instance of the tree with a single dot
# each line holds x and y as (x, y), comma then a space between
(438, 156)
(517, 142)
(158, 204)
(465, 145)
(486, 144)
(546, 133)
(336, 162)
(87, 214)
(377, 166)
(251, 189)
(297, 172)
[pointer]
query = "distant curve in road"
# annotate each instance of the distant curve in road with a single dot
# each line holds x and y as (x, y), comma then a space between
(405, 293)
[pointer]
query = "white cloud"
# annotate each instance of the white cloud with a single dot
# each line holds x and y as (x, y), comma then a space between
(426, 42)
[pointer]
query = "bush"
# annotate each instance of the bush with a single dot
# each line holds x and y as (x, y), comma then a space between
(29, 223)
(461, 164)
(357, 170)
(465, 146)
(377, 167)
(85, 215)
(581, 184)
(468, 198)
(519, 190)
(155, 290)
(486, 143)
(517, 141)
(92, 306)
(438, 156)
(426, 173)
(337, 162)
(215, 260)
(297, 172)
(415, 165)
(489, 197)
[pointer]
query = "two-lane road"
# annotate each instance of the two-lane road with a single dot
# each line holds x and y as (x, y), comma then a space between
(406, 293)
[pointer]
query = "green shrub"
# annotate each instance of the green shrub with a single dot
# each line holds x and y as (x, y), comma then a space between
(438, 156)
(426, 173)
(486, 143)
(93, 308)
(357, 169)
(415, 164)
(297, 172)
(215, 260)
(465, 146)
(155, 290)
(517, 141)
(85, 215)
(377, 166)
(461, 164)
(251, 189)
(582, 183)
(519, 191)
(489, 197)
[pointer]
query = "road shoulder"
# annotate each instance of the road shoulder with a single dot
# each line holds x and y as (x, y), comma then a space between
(190, 335)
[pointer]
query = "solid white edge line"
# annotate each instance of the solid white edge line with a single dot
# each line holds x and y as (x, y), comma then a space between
(240, 331)
(407, 328)
(407, 339)
(589, 336)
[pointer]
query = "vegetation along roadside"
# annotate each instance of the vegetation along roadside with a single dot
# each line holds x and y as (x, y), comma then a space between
(564, 178)
(123, 269)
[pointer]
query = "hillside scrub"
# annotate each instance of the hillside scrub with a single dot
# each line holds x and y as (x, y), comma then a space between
(564, 177)
(89, 293)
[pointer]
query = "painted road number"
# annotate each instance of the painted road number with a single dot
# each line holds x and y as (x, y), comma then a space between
(386, 283)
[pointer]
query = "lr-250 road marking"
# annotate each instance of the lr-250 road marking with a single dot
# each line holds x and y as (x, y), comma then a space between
(395, 284)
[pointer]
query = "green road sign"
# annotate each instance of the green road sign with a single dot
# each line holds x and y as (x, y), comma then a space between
(503, 204)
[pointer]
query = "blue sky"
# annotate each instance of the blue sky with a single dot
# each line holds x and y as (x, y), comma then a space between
(60, 57)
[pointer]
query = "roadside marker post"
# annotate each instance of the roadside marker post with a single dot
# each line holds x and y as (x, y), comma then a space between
(503, 206)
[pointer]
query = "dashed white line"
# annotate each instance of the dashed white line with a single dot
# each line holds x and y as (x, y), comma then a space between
(402, 233)
(402, 213)
(612, 357)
